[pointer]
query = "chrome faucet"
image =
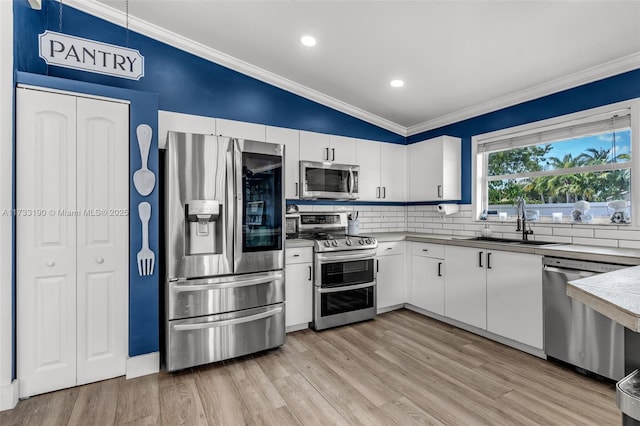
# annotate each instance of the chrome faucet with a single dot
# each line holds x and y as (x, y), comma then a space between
(522, 219)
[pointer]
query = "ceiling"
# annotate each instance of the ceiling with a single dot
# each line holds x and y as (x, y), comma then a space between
(456, 57)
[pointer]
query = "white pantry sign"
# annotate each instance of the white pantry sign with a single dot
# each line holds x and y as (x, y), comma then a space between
(87, 55)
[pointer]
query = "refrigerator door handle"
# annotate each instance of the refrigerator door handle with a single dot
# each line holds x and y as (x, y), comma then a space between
(234, 321)
(227, 284)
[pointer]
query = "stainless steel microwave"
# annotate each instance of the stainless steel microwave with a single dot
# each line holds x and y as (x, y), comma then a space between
(329, 180)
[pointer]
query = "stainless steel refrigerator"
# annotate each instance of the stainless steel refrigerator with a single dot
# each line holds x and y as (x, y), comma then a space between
(224, 248)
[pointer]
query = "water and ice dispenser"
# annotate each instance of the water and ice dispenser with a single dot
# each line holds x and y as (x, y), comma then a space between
(204, 225)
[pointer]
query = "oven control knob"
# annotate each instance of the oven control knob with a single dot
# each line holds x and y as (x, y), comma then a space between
(334, 243)
(361, 242)
(327, 244)
(348, 242)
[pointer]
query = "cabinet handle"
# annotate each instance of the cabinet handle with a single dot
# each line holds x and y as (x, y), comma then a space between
(296, 189)
(296, 255)
(425, 249)
(439, 191)
(51, 263)
(377, 192)
(489, 260)
(309, 273)
(100, 260)
(326, 154)
(333, 154)
(439, 269)
(377, 265)
(384, 192)
(480, 259)
(389, 248)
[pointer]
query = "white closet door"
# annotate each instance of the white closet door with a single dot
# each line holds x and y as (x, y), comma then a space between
(46, 241)
(102, 239)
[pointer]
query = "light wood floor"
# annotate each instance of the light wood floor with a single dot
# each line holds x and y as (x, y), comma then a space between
(401, 368)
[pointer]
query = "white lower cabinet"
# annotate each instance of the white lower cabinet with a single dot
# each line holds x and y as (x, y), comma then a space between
(465, 295)
(299, 287)
(390, 266)
(427, 277)
(497, 291)
(514, 297)
(72, 273)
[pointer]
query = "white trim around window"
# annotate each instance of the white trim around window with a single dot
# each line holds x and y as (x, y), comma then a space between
(553, 127)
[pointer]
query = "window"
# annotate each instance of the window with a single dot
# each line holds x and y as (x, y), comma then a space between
(578, 168)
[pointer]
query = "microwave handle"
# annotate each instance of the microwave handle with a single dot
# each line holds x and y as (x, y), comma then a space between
(351, 182)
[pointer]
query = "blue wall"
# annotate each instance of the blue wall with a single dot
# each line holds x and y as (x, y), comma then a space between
(610, 90)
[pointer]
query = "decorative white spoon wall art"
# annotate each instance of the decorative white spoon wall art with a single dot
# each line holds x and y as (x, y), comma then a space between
(144, 180)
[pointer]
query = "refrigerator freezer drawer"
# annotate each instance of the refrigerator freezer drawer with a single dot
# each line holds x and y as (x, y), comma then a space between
(214, 338)
(210, 296)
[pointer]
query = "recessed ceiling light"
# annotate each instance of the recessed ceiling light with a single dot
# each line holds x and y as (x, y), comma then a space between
(396, 83)
(308, 40)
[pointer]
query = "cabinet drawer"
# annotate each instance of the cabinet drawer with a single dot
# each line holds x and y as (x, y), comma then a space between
(392, 247)
(428, 250)
(298, 255)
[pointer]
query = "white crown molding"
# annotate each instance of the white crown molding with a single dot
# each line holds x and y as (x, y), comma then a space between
(589, 75)
(155, 32)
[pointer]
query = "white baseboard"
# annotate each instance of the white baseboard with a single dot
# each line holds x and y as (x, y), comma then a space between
(142, 365)
(9, 395)
(297, 327)
(389, 308)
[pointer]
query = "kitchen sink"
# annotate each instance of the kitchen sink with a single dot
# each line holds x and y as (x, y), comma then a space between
(510, 241)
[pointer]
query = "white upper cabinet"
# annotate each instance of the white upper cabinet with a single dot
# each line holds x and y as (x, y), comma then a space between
(434, 169)
(368, 158)
(382, 176)
(240, 130)
(322, 147)
(187, 123)
(343, 150)
(392, 172)
(291, 139)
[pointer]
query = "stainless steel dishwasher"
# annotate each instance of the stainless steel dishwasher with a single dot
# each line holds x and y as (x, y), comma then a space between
(575, 333)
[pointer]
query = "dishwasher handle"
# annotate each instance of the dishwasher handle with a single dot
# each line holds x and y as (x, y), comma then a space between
(581, 274)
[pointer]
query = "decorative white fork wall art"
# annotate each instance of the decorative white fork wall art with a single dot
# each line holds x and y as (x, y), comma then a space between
(146, 258)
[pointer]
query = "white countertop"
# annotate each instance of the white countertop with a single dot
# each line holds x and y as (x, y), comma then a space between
(615, 295)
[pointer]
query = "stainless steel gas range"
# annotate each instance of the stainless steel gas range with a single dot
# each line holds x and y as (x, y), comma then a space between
(344, 271)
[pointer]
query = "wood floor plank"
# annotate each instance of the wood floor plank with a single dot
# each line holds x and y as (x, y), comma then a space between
(364, 381)
(307, 403)
(96, 401)
(254, 386)
(347, 401)
(52, 408)
(401, 368)
(405, 412)
(138, 400)
(180, 400)
(282, 416)
(221, 399)
(275, 365)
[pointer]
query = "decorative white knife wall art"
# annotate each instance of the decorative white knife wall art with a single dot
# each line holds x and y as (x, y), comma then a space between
(144, 180)
(146, 257)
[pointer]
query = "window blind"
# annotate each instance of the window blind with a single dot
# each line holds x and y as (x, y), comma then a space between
(617, 121)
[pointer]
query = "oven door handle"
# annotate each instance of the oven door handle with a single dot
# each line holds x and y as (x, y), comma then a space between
(345, 288)
(233, 321)
(332, 258)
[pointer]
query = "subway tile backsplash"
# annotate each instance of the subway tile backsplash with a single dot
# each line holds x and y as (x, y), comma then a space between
(425, 219)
